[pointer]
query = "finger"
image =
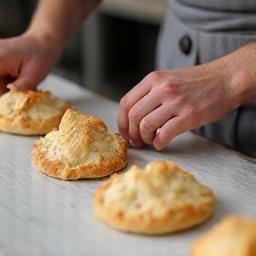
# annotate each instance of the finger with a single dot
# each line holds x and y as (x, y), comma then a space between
(28, 79)
(141, 109)
(154, 120)
(169, 130)
(126, 103)
(22, 84)
(130, 99)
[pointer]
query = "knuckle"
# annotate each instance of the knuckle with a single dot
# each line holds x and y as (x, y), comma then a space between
(146, 124)
(124, 103)
(134, 116)
(155, 75)
(168, 88)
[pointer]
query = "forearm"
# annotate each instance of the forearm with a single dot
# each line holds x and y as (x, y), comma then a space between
(55, 20)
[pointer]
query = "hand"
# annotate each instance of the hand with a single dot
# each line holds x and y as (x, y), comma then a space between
(167, 103)
(25, 61)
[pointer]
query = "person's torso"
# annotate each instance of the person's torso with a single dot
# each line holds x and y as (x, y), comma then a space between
(220, 5)
(217, 15)
(213, 27)
(198, 31)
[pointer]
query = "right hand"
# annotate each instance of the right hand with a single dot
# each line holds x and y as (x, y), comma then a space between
(25, 61)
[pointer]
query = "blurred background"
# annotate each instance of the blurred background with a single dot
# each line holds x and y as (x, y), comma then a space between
(111, 52)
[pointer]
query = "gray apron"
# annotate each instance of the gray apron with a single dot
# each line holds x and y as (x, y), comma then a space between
(198, 31)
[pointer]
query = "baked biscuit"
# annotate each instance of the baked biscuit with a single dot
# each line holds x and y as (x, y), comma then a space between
(233, 236)
(81, 148)
(158, 200)
(30, 112)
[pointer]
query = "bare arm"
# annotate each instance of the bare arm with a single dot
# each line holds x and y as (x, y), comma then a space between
(55, 20)
(27, 59)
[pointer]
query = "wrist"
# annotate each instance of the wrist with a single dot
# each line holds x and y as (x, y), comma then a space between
(243, 86)
(241, 73)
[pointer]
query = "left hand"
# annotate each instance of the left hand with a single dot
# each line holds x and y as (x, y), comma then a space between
(172, 102)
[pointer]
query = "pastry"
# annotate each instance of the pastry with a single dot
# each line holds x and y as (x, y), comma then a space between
(233, 236)
(157, 200)
(30, 112)
(81, 148)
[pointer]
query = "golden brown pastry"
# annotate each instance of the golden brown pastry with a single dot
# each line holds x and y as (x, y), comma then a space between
(233, 236)
(81, 148)
(158, 200)
(30, 112)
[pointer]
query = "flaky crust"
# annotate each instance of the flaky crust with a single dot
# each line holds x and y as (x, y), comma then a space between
(22, 126)
(233, 236)
(58, 168)
(65, 169)
(171, 219)
(30, 112)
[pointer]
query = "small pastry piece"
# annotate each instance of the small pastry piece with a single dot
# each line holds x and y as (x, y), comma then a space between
(158, 200)
(233, 236)
(30, 112)
(81, 148)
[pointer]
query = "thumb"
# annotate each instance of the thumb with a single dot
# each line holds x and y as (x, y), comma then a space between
(28, 79)
(23, 84)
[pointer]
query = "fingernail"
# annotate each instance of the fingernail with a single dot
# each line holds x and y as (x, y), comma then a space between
(157, 144)
(158, 148)
(132, 143)
(11, 87)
